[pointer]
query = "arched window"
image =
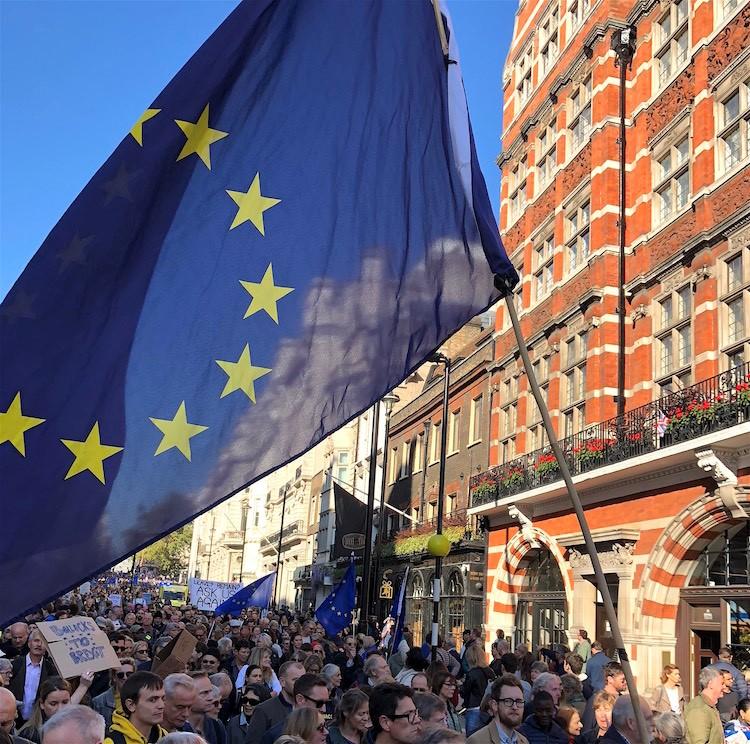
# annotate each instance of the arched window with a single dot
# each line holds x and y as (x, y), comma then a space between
(417, 586)
(456, 606)
(726, 561)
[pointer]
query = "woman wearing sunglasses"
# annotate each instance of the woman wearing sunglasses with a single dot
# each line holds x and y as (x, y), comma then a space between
(307, 723)
(252, 696)
(109, 701)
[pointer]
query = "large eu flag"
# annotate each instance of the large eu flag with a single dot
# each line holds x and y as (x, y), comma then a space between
(285, 233)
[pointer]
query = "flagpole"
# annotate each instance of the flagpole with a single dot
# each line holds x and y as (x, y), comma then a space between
(276, 582)
(437, 581)
(502, 284)
(364, 594)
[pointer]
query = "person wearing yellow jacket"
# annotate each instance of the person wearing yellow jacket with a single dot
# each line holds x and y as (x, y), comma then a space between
(142, 698)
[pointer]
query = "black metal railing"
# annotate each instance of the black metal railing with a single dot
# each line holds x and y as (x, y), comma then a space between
(457, 525)
(292, 529)
(711, 405)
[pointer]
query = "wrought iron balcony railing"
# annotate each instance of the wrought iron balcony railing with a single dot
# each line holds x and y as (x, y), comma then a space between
(711, 405)
(289, 531)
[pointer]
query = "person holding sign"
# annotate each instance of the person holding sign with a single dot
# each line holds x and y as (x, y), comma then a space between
(54, 695)
(29, 672)
(143, 710)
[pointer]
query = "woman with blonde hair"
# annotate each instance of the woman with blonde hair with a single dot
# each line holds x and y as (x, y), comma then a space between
(352, 719)
(668, 696)
(603, 704)
(262, 657)
(475, 685)
(308, 724)
(54, 694)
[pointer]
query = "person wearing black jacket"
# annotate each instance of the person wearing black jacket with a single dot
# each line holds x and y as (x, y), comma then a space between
(350, 663)
(540, 726)
(477, 678)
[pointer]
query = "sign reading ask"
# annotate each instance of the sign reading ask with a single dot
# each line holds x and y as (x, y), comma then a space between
(77, 645)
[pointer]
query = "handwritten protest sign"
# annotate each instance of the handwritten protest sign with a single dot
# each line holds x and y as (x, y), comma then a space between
(77, 645)
(208, 595)
(175, 655)
(116, 600)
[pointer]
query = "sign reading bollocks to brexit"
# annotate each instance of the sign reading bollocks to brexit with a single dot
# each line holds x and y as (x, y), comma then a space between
(289, 229)
(77, 645)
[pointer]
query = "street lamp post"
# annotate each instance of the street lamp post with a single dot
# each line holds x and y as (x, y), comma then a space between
(389, 401)
(425, 450)
(445, 361)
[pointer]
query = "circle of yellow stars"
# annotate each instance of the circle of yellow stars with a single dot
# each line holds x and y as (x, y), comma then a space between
(90, 453)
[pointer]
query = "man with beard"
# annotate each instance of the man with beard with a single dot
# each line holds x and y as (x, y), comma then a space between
(506, 705)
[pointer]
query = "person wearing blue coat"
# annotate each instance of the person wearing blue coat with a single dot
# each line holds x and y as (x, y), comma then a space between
(540, 727)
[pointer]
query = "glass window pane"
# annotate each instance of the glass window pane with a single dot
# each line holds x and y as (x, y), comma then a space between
(683, 189)
(667, 315)
(682, 47)
(682, 151)
(732, 107)
(734, 272)
(732, 147)
(684, 296)
(685, 346)
(666, 355)
(735, 319)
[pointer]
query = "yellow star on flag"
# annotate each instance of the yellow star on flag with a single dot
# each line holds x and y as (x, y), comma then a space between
(137, 130)
(242, 375)
(265, 295)
(90, 454)
(251, 205)
(200, 137)
(13, 425)
(177, 432)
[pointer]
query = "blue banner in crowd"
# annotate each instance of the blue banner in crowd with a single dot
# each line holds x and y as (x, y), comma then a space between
(290, 228)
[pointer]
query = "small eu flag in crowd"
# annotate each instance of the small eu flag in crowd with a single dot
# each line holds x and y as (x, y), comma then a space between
(335, 611)
(284, 234)
(257, 594)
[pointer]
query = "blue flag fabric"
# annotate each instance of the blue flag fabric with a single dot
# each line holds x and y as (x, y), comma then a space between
(335, 612)
(398, 613)
(257, 594)
(286, 232)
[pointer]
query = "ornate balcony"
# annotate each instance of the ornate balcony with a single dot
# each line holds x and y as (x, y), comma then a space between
(717, 403)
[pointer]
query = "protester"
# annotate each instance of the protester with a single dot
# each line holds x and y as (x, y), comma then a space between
(278, 708)
(540, 726)
(505, 705)
(54, 695)
(602, 704)
(142, 697)
(307, 723)
(572, 693)
(476, 680)
(352, 721)
(203, 709)
(431, 708)
(668, 728)
(624, 728)
(394, 716)
(549, 683)
(444, 685)
(17, 644)
(310, 691)
(8, 713)
(668, 695)
(440, 735)
(702, 722)
(727, 703)
(179, 697)
(614, 684)
(583, 647)
(724, 664)
(569, 720)
(349, 662)
(30, 670)
(262, 657)
(332, 675)
(419, 683)
(110, 701)
(74, 724)
(595, 666)
(237, 726)
(413, 664)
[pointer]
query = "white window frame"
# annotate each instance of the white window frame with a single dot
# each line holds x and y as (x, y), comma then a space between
(578, 11)
(517, 183)
(671, 184)
(546, 156)
(524, 75)
(417, 464)
(393, 465)
(454, 432)
(577, 220)
(732, 291)
(549, 42)
(670, 57)
(543, 257)
(476, 416)
(729, 124)
(405, 447)
(680, 373)
(579, 114)
(435, 443)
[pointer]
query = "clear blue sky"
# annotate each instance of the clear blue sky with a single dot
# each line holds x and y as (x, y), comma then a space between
(77, 73)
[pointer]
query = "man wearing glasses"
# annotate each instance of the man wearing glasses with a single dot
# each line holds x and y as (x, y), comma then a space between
(506, 705)
(395, 719)
(310, 691)
(109, 701)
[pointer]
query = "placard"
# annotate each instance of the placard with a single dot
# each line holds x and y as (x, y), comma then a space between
(116, 600)
(77, 645)
(173, 658)
(208, 595)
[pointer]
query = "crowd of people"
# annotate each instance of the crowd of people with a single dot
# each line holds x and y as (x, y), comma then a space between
(277, 678)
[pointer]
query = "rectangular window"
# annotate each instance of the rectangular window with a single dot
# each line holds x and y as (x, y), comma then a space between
(578, 11)
(546, 156)
(404, 459)
(518, 190)
(393, 465)
(580, 114)
(577, 229)
(435, 443)
(674, 349)
(673, 39)
(671, 180)
(734, 120)
(453, 432)
(450, 504)
(543, 258)
(523, 76)
(475, 419)
(419, 447)
(548, 42)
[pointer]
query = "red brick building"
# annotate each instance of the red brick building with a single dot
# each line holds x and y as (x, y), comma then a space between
(667, 491)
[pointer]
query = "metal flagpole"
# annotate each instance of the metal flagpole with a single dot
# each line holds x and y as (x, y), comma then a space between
(601, 582)
(364, 593)
(276, 582)
(440, 358)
